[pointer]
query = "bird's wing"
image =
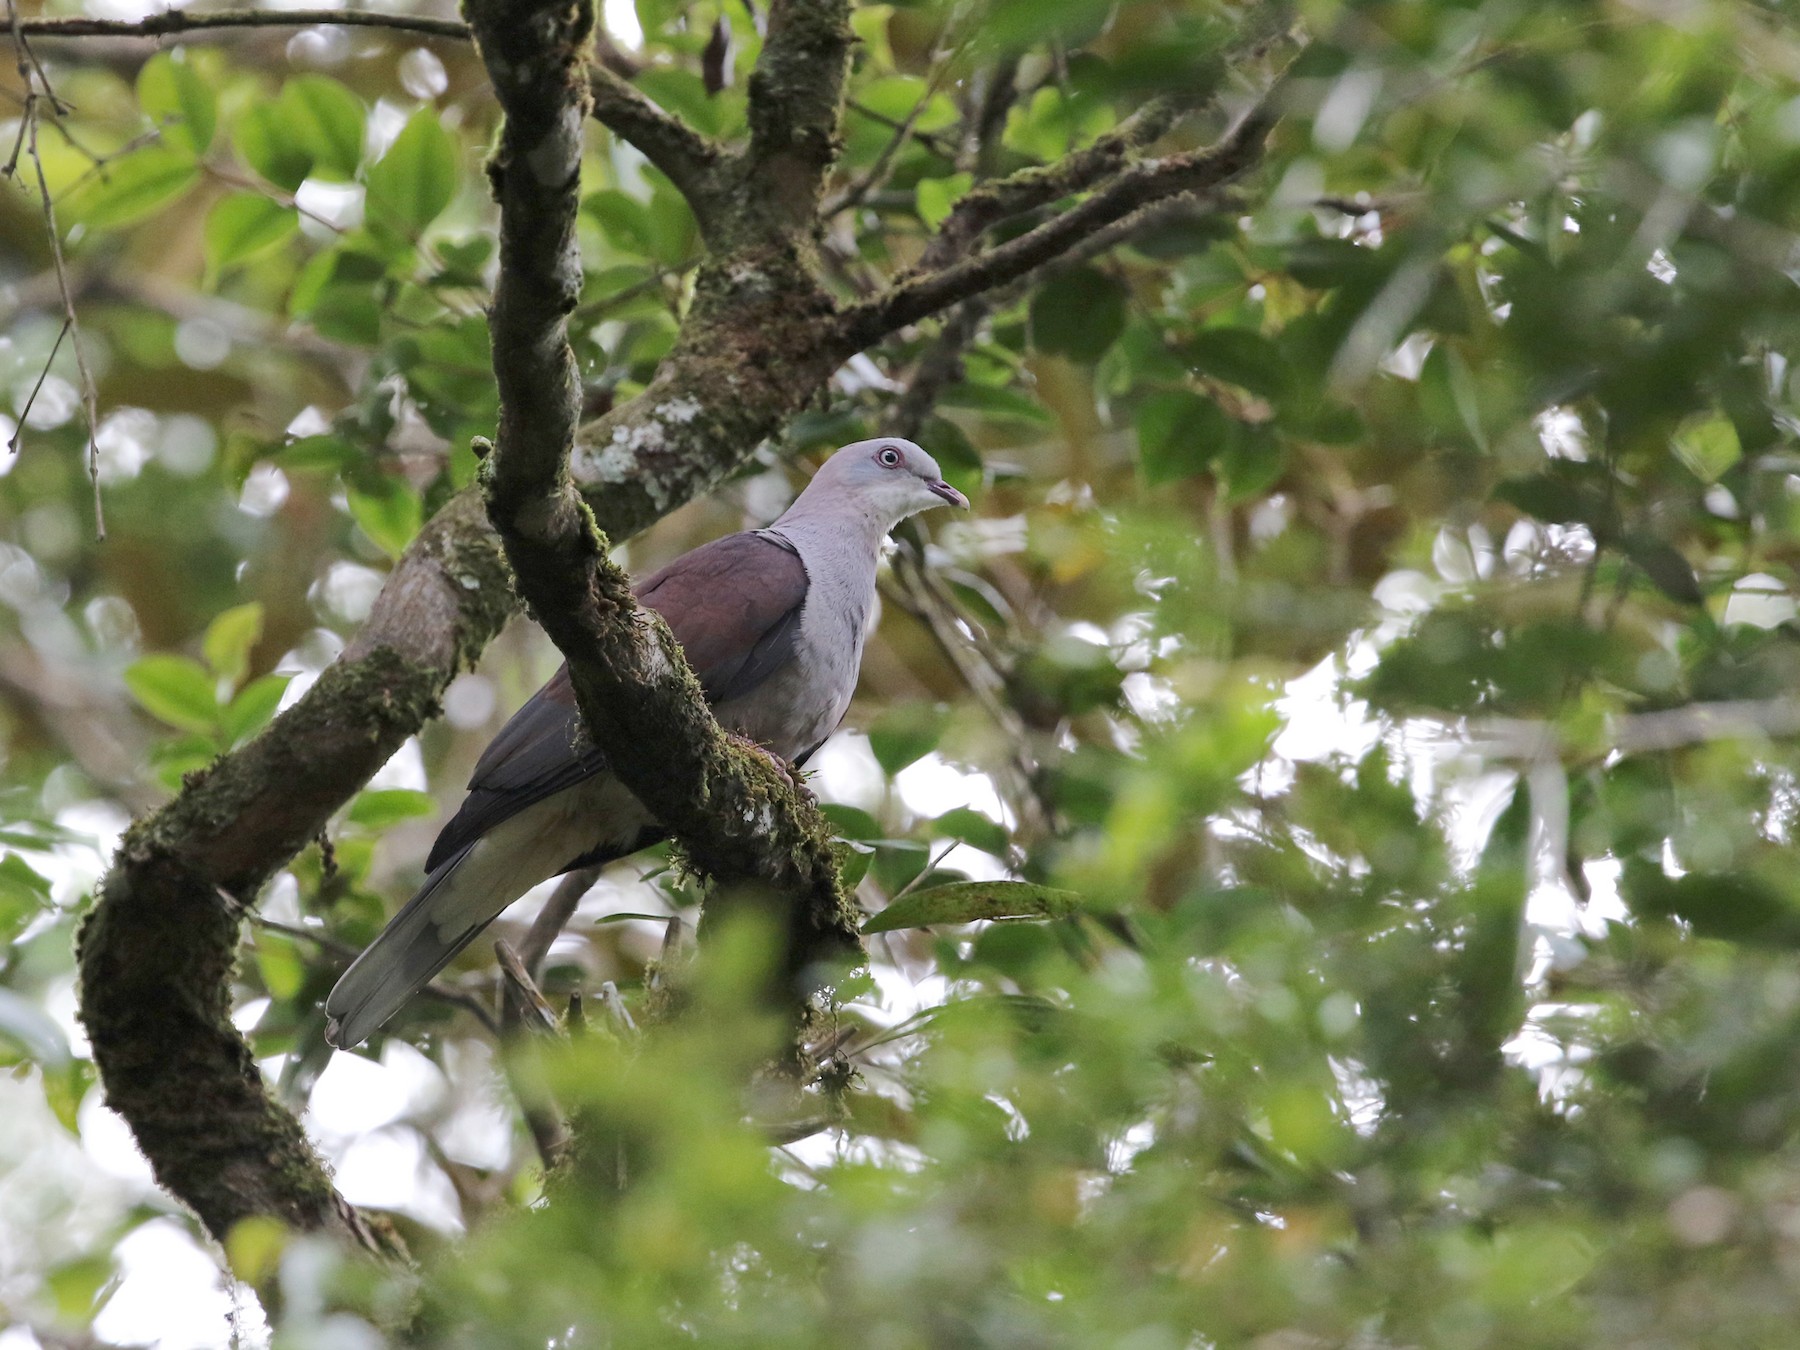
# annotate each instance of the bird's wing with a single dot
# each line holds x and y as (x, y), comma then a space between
(734, 606)
(539, 752)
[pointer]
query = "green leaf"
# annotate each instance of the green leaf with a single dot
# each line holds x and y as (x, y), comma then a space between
(1053, 123)
(1448, 396)
(971, 901)
(624, 221)
(851, 822)
(243, 225)
(271, 145)
(20, 881)
(229, 639)
(64, 1090)
(971, 827)
(996, 402)
(254, 705)
(254, 1247)
(389, 513)
(937, 197)
(1566, 492)
(132, 188)
(905, 733)
(1251, 464)
(280, 964)
(1179, 433)
(78, 1286)
(323, 453)
(1667, 569)
(176, 690)
(1323, 264)
(327, 120)
(1239, 356)
(24, 894)
(379, 808)
(1078, 314)
(1708, 444)
(853, 861)
(27, 1026)
(416, 179)
(683, 93)
(172, 94)
(348, 312)
(674, 233)
(1731, 906)
(40, 835)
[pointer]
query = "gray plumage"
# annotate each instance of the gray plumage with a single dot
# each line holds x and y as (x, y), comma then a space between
(773, 622)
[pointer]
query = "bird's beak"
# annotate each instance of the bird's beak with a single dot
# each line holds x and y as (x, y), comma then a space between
(949, 494)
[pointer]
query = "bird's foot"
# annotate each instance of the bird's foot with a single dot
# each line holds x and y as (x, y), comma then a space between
(790, 773)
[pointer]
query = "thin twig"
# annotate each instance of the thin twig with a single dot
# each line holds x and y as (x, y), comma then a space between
(883, 168)
(173, 21)
(928, 869)
(523, 1000)
(595, 309)
(90, 392)
(524, 1009)
(33, 74)
(1142, 184)
(930, 140)
(25, 412)
(554, 917)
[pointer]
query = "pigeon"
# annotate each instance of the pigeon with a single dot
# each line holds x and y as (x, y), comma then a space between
(773, 622)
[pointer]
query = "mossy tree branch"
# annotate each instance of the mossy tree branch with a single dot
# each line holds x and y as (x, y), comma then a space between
(180, 22)
(687, 157)
(739, 818)
(1140, 185)
(156, 955)
(988, 203)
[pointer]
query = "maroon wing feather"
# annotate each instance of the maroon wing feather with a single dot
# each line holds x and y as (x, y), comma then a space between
(733, 604)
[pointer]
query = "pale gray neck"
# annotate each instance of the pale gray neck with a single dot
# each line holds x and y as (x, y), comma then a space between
(838, 529)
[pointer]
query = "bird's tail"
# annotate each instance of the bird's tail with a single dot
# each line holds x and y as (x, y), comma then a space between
(416, 945)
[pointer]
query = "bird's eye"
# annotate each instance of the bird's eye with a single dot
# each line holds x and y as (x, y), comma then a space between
(887, 456)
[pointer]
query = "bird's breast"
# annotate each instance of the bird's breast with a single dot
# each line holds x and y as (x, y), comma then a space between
(801, 704)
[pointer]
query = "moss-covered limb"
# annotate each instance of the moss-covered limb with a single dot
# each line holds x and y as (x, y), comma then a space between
(796, 99)
(690, 159)
(989, 203)
(173, 22)
(1133, 188)
(758, 344)
(535, 55)
(157, 953)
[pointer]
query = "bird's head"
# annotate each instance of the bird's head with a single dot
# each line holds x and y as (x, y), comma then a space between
(888, 477)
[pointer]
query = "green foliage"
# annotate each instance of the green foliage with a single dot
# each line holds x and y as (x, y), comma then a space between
(973, 901)
(138, 186)
(172, 93)
(244, 225)
(411, 184)
(1078, 315)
